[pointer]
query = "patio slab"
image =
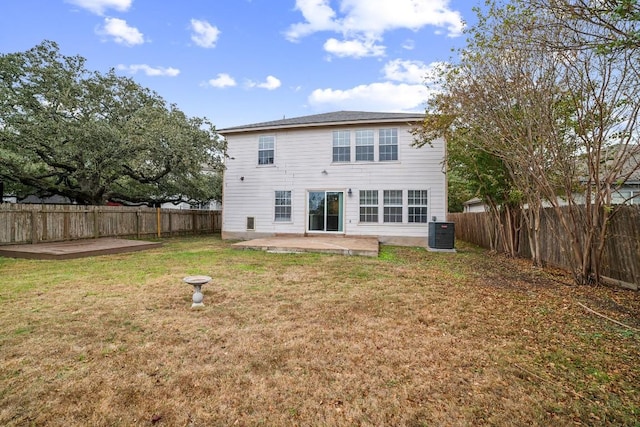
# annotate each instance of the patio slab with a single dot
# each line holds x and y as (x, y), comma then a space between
(75, 248)
(363, 246)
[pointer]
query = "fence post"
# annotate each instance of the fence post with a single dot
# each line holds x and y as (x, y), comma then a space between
(65, 223)
(12, 218)
(34, 231)
(158, 223)
(96, 228)
(45, 230)
(212, 215)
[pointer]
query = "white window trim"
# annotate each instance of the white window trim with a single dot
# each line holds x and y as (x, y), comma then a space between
(290, 205)
(397, 145)
(333, 146)
(356, 145)
(377, 205)
(267, 165)
(426, 205)
(401, 205)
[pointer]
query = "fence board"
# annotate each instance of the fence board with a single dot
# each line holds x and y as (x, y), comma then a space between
(33, 223)
(621, 258)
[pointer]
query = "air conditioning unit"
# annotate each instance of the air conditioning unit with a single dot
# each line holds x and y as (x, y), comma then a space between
(442, 235)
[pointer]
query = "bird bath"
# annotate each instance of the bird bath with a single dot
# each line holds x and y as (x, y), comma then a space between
(197, 282)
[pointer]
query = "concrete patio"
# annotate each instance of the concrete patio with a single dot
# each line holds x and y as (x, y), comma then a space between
(363, 246)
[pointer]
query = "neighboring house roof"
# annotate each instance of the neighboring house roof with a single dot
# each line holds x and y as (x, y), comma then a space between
(629, 173)
(337, 118)
(474, 201)
(631, 167)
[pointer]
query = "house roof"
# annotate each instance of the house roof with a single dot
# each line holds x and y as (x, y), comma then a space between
(629, 170)
(631, 167)
(474, 201)
(336, 118)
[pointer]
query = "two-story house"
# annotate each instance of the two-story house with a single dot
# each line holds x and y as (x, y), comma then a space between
(347, 173)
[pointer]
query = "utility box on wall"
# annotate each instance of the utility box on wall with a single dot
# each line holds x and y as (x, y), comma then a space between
(442, 235)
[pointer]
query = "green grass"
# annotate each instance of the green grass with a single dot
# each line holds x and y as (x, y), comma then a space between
(409, 338)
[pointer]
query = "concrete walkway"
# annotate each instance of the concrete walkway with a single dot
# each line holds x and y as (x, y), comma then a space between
(364, 246)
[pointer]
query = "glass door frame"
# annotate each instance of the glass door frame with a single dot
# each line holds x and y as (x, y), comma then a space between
(329, 212)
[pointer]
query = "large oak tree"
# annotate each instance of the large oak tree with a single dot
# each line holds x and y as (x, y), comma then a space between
(97, 137)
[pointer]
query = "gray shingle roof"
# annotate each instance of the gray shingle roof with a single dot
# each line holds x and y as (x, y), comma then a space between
(326, 119)
(629, 170)
(631, 167)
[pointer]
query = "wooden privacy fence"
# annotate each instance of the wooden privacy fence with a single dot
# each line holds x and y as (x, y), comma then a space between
(621, 259)
(34, 223)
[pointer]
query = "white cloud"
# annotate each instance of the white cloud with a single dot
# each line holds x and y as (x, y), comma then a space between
(368, 20)
(121, 32)
(204, 34)
(385, 96)
(100, 6)
(409, 44)
(407, 87)
(353, 48)
(149, 71)
(414, 72)
(375, 16)
(222, 80)
(270, 83)
(318, 16)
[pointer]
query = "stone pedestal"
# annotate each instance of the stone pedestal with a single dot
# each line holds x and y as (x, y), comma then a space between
(197, 282)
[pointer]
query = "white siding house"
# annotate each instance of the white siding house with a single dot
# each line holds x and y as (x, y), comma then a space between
(474, 205)
(345, 173)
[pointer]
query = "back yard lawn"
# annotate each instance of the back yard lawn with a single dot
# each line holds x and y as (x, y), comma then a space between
(410, 338)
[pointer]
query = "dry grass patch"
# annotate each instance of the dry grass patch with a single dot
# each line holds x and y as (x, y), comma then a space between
(411, 338)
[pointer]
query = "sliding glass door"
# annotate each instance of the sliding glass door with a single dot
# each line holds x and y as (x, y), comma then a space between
(326, 211)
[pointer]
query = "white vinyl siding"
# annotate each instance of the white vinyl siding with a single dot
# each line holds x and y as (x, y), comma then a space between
(627, 196)
(304, 163)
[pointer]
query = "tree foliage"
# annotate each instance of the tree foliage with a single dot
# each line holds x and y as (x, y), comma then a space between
(96, 137)
(460, 190)
(600, 25)
(472, 171)
(544, 87)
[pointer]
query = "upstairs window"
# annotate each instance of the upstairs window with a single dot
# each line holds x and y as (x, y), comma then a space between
(341, 146)
(388, 144)
(392, 206)
(417, 201)
(364, 146)
(283, 206)
(266, 150)
(368, 206)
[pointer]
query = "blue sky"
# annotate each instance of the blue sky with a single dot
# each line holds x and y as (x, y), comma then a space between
(245, 61)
